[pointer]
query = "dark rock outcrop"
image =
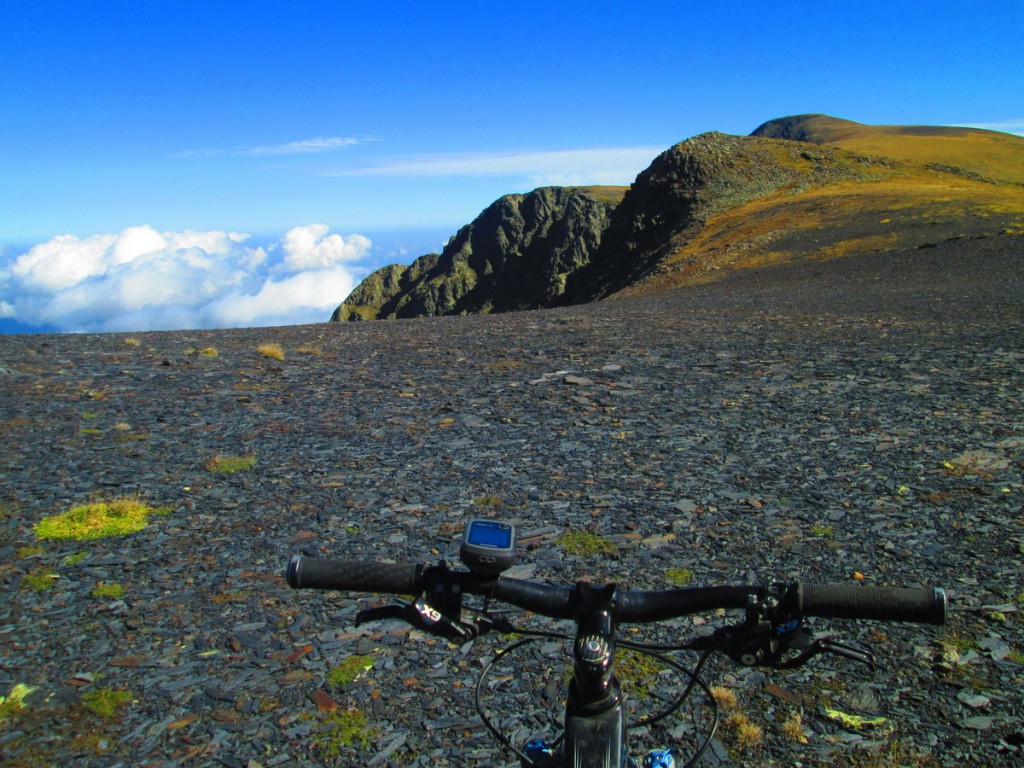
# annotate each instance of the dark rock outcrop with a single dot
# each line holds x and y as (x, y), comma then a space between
(517, 254)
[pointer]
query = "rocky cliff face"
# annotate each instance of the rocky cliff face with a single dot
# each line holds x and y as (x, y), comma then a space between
(517, 254)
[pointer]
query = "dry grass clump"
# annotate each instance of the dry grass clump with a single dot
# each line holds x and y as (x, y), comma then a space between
(725, 698)
(271, 351)
(745, 733)
(793, 728)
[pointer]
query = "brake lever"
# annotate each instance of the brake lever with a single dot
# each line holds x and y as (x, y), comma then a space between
(765, 646)
(423, 616)
(827, 645)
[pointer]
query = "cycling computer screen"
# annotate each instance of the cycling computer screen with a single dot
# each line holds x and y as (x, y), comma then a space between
(488, 546)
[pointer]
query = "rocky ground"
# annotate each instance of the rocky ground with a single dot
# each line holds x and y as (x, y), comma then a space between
(827, 422)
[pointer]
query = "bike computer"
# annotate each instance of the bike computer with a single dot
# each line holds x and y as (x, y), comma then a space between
(488, 546)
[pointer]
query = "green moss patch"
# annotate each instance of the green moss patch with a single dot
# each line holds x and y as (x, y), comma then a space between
(350, 670)
(13, 702)
(586, 544)
(343, 728)
(638, 670)
(679, 576)
(106, 702)
(111, 591)
(95, 521)
(40, 580)
(225, 465)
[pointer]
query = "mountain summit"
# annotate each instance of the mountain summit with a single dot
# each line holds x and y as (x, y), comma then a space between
(802, 187)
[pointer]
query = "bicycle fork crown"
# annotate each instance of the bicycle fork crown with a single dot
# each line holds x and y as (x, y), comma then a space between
(539, 751)
(659, 758)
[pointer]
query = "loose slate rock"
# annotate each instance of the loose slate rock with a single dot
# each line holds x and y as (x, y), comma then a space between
(378, 440)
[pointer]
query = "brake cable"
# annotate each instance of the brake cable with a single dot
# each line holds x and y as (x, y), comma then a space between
(652, 651)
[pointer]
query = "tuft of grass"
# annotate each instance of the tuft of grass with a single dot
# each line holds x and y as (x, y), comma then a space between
(272, 351)
(207, 352)
(744, 732)
(308, 349)
(106, 702)
(118, 517)
(725, 698)
(103, 590)
(76, 558)
(679, 576)
(30, 551)
(131, 341)
(748, 734)
(227, 464)
(586, 544)
(823, 531)
(793, 728)
(350, 670)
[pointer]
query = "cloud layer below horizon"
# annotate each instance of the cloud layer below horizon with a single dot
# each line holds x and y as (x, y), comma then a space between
(143, 280)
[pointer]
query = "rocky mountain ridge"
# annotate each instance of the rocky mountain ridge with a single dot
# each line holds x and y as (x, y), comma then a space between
(515, 255)
(808, 186)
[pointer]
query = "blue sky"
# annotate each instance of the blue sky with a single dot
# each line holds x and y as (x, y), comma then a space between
(125, 126)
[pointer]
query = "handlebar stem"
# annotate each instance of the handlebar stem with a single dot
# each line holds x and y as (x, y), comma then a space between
(593, 687)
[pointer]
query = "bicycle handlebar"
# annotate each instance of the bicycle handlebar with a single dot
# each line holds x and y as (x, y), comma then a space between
(354, 575)
(925, 605)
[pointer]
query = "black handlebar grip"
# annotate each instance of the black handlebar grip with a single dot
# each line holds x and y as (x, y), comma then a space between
(354, 575)
(925, 605)
(644, 606)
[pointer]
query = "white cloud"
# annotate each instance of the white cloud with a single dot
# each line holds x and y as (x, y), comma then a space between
(142, 279)
(303, 147)
(581, 166)
(304, 297)
(311, 248)
(319, 144)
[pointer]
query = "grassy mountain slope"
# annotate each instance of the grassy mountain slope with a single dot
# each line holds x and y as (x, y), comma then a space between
(927, 186)
(990, 154)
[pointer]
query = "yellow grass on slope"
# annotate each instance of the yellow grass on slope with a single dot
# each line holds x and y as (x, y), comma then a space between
(900, 210)
(988, 153)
